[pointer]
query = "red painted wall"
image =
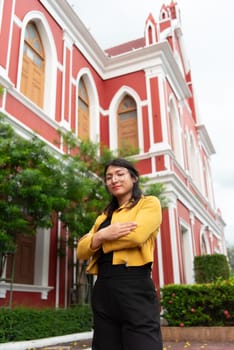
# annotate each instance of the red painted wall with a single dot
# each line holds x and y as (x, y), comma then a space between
(5, 32)
(166, 248)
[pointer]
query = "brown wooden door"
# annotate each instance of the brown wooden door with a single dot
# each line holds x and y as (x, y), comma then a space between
(24, 260)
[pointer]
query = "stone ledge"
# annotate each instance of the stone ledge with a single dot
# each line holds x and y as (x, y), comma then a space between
(215, 334)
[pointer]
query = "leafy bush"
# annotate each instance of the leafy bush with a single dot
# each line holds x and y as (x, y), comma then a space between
(199, 305)
(209, 268)
(27, 324)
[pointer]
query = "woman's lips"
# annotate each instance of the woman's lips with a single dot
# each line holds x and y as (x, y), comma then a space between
(115, 187)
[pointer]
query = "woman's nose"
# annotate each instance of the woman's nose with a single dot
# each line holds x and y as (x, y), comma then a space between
(115, 178)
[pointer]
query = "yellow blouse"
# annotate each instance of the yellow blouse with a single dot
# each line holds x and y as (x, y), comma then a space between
(134, 249)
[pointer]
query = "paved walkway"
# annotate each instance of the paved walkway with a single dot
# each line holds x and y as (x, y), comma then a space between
(198, 346)
(82, 341)
(86, 345)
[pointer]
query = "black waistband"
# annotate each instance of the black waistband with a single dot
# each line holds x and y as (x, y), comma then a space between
(108, 270)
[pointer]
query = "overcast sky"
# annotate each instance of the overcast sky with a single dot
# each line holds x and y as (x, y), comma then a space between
(208, 30)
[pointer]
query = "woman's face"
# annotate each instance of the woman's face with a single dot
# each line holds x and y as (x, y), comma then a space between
(119, 183)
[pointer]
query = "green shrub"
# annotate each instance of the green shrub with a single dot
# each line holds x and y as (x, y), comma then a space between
(199, 305)
(209, 268)
(27, 324)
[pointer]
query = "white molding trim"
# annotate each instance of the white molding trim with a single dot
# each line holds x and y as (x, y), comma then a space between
(124, 90)
(15, 287)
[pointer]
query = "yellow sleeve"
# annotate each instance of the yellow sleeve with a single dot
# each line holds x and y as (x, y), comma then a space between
(148, 218)
(84, 252)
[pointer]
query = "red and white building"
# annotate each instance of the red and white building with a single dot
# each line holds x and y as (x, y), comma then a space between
(138, 95)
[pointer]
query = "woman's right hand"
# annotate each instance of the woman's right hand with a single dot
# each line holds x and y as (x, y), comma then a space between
(112, 232)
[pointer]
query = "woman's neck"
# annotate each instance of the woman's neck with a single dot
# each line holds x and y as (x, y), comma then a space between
(124, 200)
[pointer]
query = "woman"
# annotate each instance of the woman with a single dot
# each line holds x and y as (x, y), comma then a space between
(121, 247)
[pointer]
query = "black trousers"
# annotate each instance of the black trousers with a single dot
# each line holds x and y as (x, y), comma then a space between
(126, 313)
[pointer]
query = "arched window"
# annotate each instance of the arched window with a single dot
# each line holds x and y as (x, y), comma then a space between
(83, 111)
(33, 68)
(127, 128)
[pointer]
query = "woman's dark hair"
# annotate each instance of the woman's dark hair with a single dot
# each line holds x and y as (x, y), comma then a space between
(136, 191)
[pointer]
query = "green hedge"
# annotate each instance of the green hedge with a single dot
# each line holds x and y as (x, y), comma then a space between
(199, 304)
(209, 268)
(27, 324)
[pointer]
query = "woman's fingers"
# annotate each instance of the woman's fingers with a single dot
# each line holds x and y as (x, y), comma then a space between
(117, 230)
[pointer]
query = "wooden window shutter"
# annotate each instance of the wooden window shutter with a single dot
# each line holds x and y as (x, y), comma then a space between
(33, 76)
(127, 125)
(83, 111)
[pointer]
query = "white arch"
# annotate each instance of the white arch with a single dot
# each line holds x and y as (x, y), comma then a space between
(123, 91)
(203, 235)
(186, 149)
(93, 104)
(176, 130)
(195, 166)
(50, 82)
(209, 182)
(164, 12)
(187, 251)
(150, 26)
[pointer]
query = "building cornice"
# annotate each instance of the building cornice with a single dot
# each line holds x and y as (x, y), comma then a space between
(70, 22)
(205, 139)
(148, 58)
(152, 56)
